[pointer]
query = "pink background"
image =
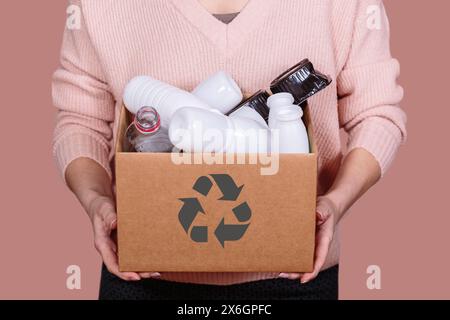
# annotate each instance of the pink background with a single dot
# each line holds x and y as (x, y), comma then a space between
(401, 225)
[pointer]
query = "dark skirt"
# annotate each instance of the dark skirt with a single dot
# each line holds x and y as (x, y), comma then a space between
(324, 287)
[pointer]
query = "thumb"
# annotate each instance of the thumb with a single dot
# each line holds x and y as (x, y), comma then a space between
(108, 212)
(113, 224)
(105, 208)
(325, 209)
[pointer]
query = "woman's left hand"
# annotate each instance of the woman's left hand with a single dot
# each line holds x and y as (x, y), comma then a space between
(360, 170)
(326, 223)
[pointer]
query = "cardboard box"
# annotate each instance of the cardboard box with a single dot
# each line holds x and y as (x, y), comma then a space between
(268, 225)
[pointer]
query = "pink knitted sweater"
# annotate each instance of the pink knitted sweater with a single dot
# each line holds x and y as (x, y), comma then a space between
(179, 42)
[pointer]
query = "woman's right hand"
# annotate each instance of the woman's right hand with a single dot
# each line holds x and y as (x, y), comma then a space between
(104, 222)
(92, 186)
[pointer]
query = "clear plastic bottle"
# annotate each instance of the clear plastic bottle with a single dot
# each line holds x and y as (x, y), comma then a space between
(145, 133)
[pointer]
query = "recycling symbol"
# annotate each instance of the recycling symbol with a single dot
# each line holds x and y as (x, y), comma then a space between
(230, 193)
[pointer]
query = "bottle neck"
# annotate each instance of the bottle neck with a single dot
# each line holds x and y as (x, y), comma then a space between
(290, 114)
(147, 120)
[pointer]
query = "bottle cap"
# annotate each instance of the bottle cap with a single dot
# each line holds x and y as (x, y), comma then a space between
(257, 102)
(147, 120)
(302, 81)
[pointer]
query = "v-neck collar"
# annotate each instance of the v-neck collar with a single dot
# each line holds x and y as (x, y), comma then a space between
(227, 37)
(226, 18)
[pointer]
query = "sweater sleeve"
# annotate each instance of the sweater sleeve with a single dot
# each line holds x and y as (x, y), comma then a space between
(85, 107)
(369, 95)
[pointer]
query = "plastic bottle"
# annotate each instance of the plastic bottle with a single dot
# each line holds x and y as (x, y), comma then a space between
(196, 130)
(220, 92)
(276, 103)
(145, 133)
(292, 133)
(166, 99)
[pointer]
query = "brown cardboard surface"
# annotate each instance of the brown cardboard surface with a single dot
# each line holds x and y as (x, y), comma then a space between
(281, 231)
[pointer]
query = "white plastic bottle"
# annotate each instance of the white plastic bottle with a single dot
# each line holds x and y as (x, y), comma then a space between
(292, 135)
(197, 130)
(249, 113)
(166, 99)
(276, 103)
(249, 136)
(145, 134)
(219, 91)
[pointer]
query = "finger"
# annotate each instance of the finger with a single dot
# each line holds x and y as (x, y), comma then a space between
(290, 276)
(107, 211)
(113, 224)
(321, 218)
(105, 248)
(105, 224)
(103, 227)
(150, 275)
(322, 248)
(113, 267)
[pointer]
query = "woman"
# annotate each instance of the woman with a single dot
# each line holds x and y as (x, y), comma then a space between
(184, 41)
